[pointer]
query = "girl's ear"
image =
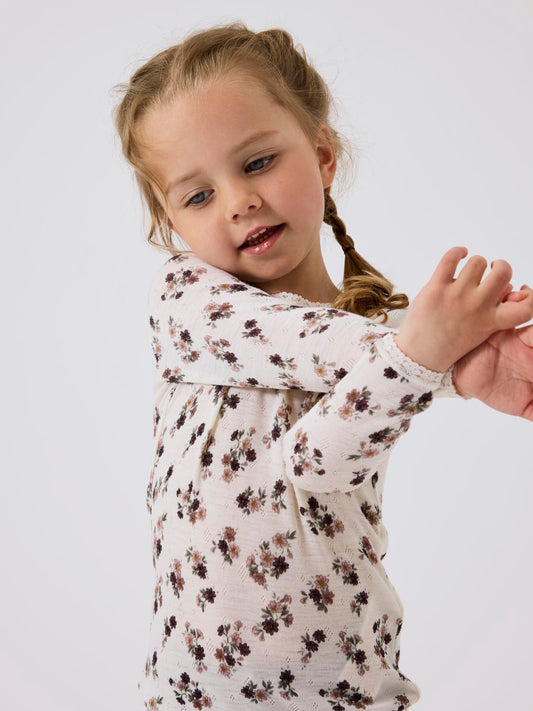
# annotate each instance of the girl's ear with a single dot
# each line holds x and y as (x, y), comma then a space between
(327, 158)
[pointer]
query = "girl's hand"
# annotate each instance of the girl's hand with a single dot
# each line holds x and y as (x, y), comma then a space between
(499, 372)
(452, 316)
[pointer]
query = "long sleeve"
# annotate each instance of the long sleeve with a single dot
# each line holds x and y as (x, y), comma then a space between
(349, 433)
(209, 327)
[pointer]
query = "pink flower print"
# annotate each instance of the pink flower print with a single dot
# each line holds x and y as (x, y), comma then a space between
(254, 504)
(403, 702)
(286, 678)
(311, 644)
(276, 611)
(348, 571)
(319, 594)
(320, 519)
(170, 625)
(302, 438)
(198, 562)
(355, 403)
(273, 565)
(367, 550)
(274, 606)
(280, 540)
(157, 350)
(188, 690)
(321, 370)
(359, 600)
(253, 693)
(175, 578)
(250, 502)
(303, 460)
(266, 558)
(371, 513)
(219, 349)
(344, 411)
(383, 640)
(190, 502)
(158, 594)
(205, 595)
(196, 650)
(353, 696)
(349, 646)
(229, 533)
(173, 375)
(277, 497)
(232, 649)
(227, 545)
(345, 567)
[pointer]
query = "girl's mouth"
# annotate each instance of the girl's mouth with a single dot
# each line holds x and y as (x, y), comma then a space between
(264, 242)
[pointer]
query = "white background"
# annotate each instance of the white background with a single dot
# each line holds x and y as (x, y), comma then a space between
(437, 98)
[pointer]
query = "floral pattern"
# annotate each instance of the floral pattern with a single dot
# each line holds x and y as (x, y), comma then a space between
(274, 419)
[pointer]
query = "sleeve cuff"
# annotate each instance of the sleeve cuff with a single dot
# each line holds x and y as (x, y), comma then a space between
(441, 383)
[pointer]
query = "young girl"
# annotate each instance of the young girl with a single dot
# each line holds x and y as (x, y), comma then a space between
(278, 397)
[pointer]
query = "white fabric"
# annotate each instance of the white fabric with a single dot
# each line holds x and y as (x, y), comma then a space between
(274, 420)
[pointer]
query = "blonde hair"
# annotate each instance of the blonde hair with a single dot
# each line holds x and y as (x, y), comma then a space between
(286, 74)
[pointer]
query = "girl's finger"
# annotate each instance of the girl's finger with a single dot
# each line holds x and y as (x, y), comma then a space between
(472, 272)
(498, 277)
(445, 269)
(505, 293)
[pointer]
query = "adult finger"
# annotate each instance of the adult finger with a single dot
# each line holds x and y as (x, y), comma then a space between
(525, 334)
(515, 296)
(510, 314)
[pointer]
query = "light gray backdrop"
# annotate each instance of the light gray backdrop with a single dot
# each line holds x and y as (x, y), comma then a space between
(437, 97)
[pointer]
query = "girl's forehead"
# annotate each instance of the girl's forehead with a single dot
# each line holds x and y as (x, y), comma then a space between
(230, 106)
(226, 92)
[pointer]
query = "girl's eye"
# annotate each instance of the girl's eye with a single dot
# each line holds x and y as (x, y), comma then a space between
(193, 200)
(253, 167)
(268, 159)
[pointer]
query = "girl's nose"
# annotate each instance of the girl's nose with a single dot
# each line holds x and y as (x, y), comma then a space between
(241, 199)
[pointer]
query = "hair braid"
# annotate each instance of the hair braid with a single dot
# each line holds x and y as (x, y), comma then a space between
(365, 290)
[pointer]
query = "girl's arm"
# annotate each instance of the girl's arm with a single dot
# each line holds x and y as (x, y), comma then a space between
(348, 435)
(349, 432)
(210, 327)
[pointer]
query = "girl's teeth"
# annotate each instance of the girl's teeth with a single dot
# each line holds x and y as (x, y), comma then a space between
(261, 237)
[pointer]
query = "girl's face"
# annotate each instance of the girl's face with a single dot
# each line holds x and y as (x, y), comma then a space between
(232, 161)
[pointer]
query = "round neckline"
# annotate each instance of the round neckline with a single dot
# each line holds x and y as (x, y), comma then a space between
(302, 299)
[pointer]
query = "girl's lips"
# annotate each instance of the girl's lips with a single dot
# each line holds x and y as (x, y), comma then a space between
(264, 246)
(257, 229)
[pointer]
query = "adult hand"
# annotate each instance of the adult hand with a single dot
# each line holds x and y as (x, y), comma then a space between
(499, 372)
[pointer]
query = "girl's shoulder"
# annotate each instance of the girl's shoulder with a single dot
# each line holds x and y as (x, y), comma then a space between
(185, 271)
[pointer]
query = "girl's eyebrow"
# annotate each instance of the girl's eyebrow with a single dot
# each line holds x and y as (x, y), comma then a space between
(247, 141)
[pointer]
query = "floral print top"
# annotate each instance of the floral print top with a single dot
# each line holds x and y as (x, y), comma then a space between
(274, 421)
